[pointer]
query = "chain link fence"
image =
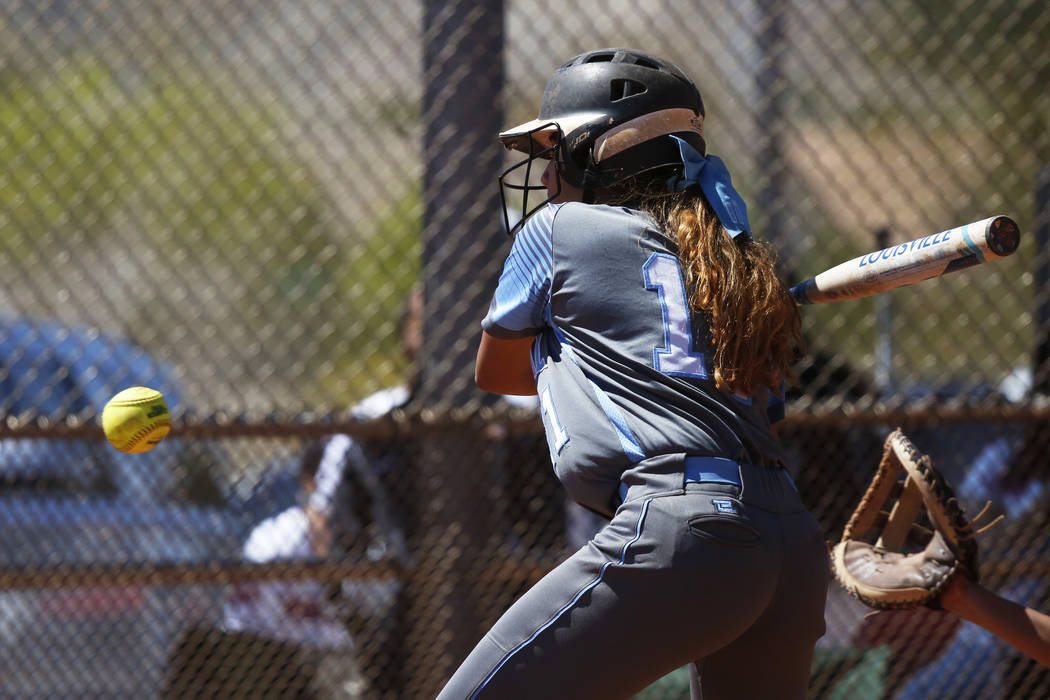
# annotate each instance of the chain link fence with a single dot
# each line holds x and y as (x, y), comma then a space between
(285, 217)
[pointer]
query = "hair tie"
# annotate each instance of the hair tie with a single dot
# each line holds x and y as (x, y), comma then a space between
(713, 177)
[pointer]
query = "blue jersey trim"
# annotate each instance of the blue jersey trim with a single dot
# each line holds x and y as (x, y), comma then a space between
(520, 303)
(568, 606)
(539, 361)
(628, 443)
(745, 400)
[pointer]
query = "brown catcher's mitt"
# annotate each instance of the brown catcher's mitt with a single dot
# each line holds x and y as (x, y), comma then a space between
(903, 557)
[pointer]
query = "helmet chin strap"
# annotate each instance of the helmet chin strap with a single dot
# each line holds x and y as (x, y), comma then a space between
(589, 182)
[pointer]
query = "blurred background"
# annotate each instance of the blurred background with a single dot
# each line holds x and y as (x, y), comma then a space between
(285, 217)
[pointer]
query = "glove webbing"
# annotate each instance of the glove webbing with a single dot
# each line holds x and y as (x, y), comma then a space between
(922, 487)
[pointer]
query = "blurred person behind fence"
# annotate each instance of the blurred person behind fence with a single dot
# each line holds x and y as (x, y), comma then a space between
(278, 638)
(307, 638)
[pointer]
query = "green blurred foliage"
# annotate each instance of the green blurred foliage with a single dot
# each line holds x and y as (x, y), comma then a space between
(389, 258)
(80, 149)
(201, 175)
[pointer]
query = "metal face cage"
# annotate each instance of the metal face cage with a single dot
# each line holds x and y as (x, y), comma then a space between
(519, 180)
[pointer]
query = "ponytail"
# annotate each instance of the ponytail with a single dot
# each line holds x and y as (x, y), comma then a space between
(754, 325)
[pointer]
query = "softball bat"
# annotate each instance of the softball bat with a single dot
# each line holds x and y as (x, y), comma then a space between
(907, 263)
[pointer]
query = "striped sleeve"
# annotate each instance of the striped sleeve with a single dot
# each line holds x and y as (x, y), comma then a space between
(519, 306)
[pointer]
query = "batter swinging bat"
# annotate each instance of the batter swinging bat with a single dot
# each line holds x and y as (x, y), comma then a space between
(914, 261)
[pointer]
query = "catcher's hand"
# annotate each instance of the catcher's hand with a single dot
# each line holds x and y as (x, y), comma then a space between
(910, 562)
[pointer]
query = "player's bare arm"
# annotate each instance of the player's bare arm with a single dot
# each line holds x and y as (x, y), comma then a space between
(1027, 630)
(504, 366)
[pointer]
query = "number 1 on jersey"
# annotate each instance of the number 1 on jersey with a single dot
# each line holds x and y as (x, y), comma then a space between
(676, 357)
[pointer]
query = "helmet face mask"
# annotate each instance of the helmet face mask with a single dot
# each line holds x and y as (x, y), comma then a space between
(613, 111)
(540, 145)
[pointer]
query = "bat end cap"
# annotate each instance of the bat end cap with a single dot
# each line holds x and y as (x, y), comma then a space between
(1003, 235)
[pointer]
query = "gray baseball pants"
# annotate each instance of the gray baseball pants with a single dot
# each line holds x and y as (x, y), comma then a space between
(729, 578)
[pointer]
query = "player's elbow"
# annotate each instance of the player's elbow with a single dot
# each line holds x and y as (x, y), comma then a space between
(483, 379)
(504, 366)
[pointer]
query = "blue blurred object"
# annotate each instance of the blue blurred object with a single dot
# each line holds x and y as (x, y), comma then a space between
(79, 502)
(53, 370)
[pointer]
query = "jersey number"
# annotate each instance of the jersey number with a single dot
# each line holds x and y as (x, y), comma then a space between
(676, 357)
(557, 436)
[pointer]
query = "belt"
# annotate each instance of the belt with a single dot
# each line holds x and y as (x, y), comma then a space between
(712, 469)
(718, 470)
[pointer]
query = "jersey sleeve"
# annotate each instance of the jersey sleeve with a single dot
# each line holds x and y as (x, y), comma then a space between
(520, 305)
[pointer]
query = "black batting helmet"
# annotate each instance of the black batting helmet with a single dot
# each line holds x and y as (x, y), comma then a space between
(611, 111)
(607, 115)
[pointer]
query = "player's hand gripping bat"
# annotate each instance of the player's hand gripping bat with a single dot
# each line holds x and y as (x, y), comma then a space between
(906, 263)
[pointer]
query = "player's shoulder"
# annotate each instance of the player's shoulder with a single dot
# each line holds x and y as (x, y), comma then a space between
(555, 216)
(604, 214)
(381, 403)
(539, 225)
(277, 536)
(581, 227)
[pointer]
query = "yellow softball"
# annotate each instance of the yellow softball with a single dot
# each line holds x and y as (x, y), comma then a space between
(136, 419)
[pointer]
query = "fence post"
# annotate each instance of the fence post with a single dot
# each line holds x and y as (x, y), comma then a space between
(883, 330)
(463, 249)
(769, 124)
(1041, 370)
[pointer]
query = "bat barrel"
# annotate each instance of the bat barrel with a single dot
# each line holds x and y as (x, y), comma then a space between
(913, 261)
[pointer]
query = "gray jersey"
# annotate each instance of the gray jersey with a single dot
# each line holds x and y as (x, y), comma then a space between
(622, 364)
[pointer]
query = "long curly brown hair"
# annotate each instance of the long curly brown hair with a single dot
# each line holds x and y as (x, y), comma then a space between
(755, 328)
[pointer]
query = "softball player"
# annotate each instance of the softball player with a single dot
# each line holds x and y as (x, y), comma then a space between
(651, 325)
